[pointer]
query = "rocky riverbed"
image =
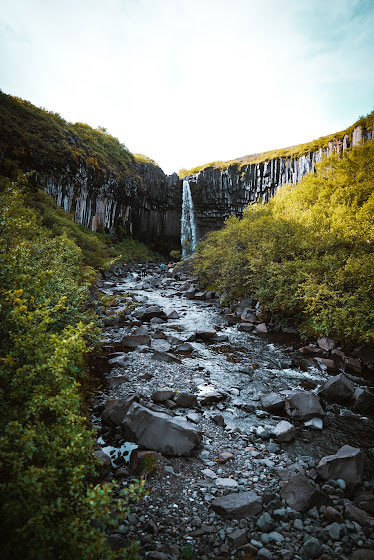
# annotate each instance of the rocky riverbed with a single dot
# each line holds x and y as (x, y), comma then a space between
(250, 448)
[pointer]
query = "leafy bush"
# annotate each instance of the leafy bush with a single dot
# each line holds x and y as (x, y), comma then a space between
(51, 506)
(308, 253)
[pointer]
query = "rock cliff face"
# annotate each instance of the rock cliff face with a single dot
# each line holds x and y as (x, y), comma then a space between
(146, 205)
(220, 193)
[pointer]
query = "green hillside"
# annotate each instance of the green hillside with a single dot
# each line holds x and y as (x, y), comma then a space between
(308, 253)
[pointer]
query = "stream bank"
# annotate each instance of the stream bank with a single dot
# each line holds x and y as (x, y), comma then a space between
(201, 374)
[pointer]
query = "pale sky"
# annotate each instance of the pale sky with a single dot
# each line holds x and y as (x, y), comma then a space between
(191, 81)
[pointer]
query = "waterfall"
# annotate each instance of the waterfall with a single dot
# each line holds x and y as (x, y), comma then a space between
(188, 228)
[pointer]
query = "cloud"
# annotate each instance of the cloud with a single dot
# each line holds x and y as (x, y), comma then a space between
(193, 81)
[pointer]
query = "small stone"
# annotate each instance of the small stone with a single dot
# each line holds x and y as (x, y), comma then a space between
(264, 554)
(334, 531)
(226, 482)
(284, 431)
(238, 538)
(311, 549)
(225, 456)
(265, 522)
(314, 423)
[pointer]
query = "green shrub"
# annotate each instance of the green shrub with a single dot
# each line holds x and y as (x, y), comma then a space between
(308, 253)
(51, 504)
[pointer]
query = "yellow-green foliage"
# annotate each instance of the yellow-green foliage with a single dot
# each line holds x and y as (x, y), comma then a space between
(291, 152)
(51, 507)
(29, 133)
(308, 253)
(141, 158)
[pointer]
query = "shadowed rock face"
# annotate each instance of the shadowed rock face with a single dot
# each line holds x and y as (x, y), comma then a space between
(220, 193)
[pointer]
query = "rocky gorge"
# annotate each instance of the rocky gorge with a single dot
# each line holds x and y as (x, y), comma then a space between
(252, 444)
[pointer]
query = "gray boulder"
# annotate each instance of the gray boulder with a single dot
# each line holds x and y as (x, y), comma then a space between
(135, 340)
(116, 410)
(237, 506)
(148, 313)
(160, 432)
(301, 494)
(171, 314)
(364, 401)
(284, 431)
(311, 549)
(272, 402)
(162, 395)
(186, 400)
(337, 389)
(326, 343)
(165, 357)
(347, 463)
(327, 364)
(160, 345)
(206, 334)
(303, 405)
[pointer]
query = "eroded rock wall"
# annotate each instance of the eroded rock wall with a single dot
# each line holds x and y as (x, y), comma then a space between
(220, 193)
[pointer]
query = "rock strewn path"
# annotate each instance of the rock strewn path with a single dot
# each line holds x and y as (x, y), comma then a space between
(178, 374)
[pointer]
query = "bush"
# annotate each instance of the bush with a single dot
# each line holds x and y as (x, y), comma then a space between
(308, 253)
(51, 505)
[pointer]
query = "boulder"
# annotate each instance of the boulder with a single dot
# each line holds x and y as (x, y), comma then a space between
(165, 357)
(160, 432)
(327, 364)
(148, 313)
(314, 423)
(347, 463)
(301, 494)
(200, 295)
(311, 350)
(171, 314)
(353, 364)
(261, 328)
(205, 334)
(160, 345)
(358, 515)
(185, 348)
(284, 431)
(364, 401)
(302, 405)
(186, 400)
(365, 502)
(212, 398)
(190, 293)
(246, 327)
(248, 316)
(337, 389)
(311, 549)
(103, 458)
(362, 554)
(238, 506)
(135, 340)
(326, 343)
(272, 402)
(162, 395)
(116, 410)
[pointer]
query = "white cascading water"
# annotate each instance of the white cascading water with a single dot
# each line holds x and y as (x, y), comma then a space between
(188, 228)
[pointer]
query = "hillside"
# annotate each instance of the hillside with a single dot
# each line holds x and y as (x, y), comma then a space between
(307, 254)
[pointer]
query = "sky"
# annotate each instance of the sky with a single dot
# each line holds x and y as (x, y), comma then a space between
(193, 81)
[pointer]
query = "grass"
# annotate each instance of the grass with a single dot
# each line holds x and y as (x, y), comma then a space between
(290, 152)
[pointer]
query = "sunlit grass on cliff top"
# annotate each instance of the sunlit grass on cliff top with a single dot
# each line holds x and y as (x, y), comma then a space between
(290, 152)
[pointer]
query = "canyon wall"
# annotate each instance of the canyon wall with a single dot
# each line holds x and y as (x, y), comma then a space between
(220, 193)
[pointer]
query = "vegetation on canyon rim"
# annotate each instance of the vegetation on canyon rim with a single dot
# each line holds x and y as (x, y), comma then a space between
(365, 122)
(308, 253)
(52, 505)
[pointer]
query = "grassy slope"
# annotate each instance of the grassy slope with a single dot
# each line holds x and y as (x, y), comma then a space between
(291, 152)
(29, 133)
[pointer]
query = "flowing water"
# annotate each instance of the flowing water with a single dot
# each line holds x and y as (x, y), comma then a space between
(242, 365)
(188, 227)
